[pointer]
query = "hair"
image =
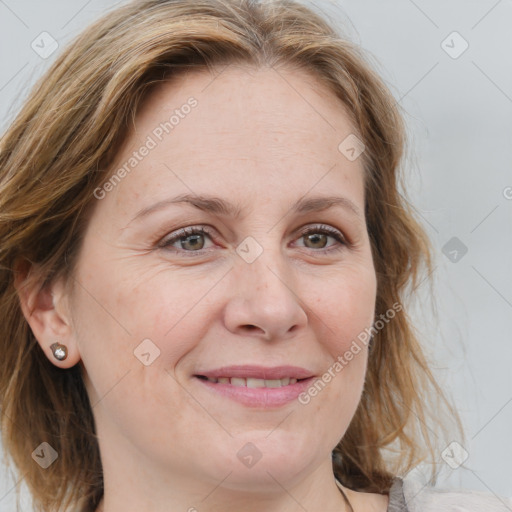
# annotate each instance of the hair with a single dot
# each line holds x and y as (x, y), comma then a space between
(57, 151)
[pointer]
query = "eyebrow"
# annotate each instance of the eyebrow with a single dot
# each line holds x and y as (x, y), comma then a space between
(218, 206)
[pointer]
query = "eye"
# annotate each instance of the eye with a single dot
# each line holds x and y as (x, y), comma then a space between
(190, 239)
(318, 235)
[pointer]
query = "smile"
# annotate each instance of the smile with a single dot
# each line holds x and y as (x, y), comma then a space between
(263, 394)
(250, 382)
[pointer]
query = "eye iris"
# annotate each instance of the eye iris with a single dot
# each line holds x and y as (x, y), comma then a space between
(315, 237)
(195, 238)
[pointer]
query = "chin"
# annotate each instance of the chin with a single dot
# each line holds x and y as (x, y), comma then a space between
(263, 464)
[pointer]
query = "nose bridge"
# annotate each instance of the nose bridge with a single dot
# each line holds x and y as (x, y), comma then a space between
(268, 276)
(263, 262)
(266, 296)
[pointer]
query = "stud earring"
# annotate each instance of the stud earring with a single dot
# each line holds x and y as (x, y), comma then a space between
(60, 352)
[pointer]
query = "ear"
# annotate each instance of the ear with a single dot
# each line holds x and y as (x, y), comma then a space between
(46, 310)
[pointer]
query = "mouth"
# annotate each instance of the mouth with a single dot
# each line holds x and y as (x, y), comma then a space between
(256, 386)
(251, 382)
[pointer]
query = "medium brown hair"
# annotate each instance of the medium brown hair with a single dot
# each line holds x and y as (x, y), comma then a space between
(57, 151)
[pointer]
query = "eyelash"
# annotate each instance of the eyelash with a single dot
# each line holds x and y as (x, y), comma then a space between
(194, 230)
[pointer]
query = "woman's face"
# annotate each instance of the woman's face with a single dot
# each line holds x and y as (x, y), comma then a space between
(255, 152)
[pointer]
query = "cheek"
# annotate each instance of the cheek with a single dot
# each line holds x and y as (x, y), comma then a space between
(173, 309)
(345, 312)
(118, 321)
(346, 307)
(153, 310)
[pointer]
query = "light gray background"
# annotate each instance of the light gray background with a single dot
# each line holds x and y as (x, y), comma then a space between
(459, 114)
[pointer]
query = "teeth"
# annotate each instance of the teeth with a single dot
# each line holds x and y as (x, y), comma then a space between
(273, 383)
(253, 383)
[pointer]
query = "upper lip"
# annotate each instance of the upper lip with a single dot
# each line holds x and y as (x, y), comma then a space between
(259, 372)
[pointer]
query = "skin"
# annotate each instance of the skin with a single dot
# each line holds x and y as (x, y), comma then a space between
(262, 138)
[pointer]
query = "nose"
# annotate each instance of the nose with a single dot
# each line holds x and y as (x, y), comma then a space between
(264, 302)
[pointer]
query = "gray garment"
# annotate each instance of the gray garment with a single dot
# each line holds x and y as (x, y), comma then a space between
(412, 494)
(396, 497)
(422, 497)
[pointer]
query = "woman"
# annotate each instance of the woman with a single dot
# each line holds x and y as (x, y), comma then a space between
(205, 266)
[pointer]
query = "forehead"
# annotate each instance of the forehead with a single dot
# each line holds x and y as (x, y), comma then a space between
(241, 100)
(257, 129)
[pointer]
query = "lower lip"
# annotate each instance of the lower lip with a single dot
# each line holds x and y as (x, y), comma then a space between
(259, 397)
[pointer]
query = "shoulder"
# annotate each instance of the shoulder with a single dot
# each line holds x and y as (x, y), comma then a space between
(425, 498)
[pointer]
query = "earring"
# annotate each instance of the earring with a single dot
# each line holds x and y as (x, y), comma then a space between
(60, 352)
